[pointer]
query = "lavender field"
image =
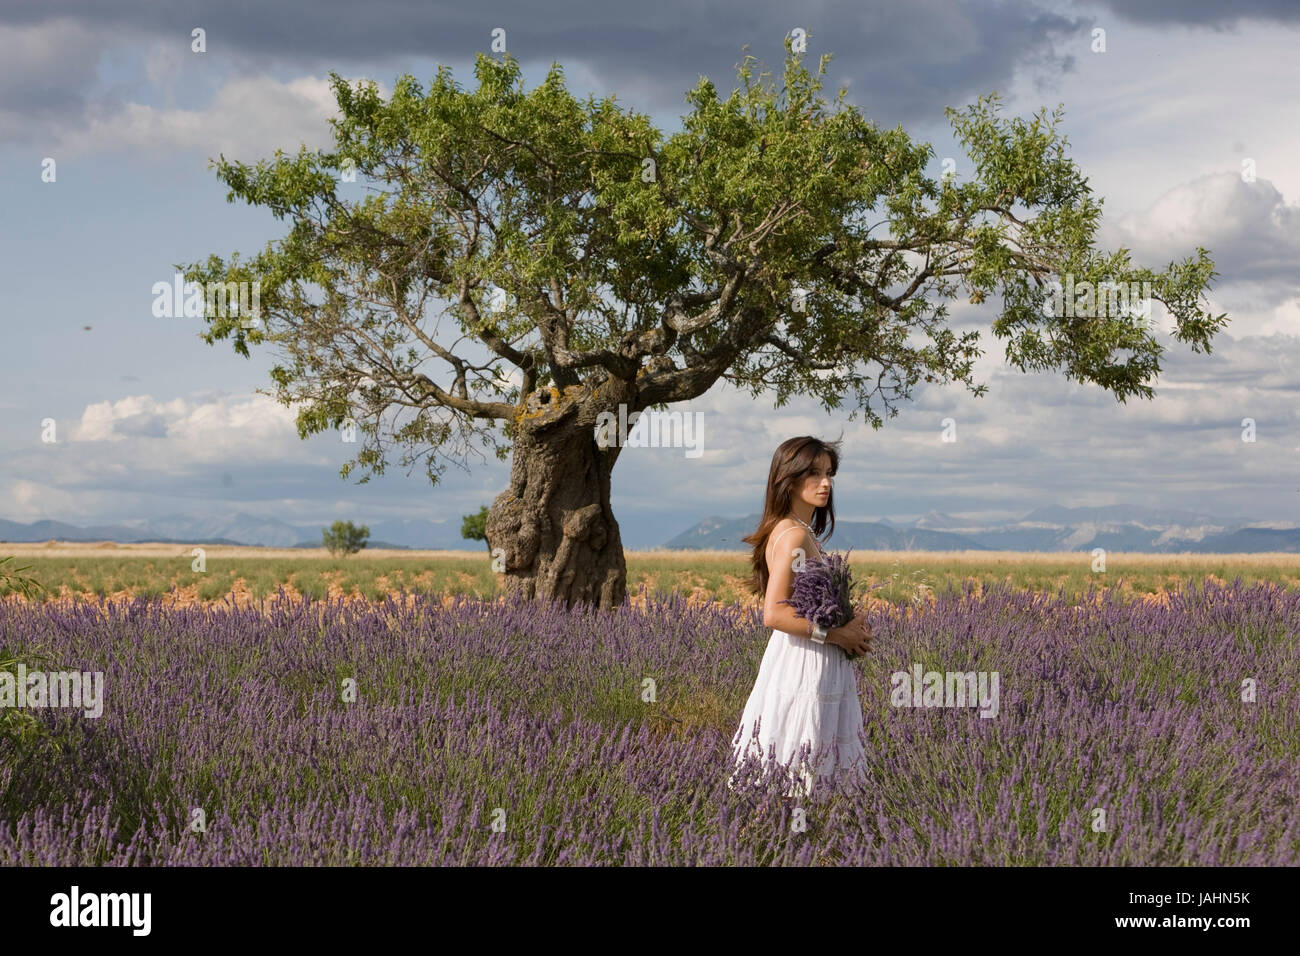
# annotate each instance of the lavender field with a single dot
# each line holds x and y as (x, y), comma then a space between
(499, 734)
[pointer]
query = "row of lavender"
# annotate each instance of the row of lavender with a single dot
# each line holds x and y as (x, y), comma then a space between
(516, 733)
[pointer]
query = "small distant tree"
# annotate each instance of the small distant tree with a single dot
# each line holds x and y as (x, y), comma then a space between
(344, 538)
(474, 527)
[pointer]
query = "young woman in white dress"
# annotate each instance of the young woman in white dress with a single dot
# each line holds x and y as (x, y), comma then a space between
(806, 695)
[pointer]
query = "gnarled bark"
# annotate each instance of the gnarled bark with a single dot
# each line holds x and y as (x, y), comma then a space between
(554, 523)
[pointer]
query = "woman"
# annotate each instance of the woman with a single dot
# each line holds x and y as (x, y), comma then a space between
(806, 694)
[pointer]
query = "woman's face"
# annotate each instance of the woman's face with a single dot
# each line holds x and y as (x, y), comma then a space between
(815, 489)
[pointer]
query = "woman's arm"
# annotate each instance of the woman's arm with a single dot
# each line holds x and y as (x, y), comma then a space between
(782, 552)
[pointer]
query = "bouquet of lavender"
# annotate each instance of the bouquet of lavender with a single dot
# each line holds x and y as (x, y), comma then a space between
(823, 591)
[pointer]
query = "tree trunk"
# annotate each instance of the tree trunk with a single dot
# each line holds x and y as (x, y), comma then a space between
(554, 526)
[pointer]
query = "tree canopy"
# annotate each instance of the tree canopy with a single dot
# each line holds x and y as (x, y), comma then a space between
(772, 242)
(592, 263)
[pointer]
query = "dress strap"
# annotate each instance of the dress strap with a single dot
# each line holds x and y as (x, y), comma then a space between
(792, 528)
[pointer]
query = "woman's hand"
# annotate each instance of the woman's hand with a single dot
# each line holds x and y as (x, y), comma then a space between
(854, 637)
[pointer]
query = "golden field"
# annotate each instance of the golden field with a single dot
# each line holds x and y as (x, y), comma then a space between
(246, 575)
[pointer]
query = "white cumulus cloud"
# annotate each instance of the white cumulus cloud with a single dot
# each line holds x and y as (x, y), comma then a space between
(217, 429)
(248, 119)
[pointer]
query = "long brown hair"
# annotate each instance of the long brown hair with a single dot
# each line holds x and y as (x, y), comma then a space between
(792, 461)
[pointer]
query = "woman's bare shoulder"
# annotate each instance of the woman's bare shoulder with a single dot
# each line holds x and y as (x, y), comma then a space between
(779, 530)
(785, 524)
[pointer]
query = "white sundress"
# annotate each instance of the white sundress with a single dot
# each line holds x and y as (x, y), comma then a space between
(805, 694)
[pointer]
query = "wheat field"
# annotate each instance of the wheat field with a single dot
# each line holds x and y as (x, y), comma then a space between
(79, 571)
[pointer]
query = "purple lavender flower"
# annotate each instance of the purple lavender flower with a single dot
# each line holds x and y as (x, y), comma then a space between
(823, 591)
(464, 706)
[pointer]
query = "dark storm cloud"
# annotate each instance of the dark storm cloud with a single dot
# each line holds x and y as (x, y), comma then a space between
(903, 61)
(1204, 13)
(45, 71)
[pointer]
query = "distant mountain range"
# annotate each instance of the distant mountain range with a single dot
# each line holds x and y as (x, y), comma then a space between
(1054, 528)
(242, 529)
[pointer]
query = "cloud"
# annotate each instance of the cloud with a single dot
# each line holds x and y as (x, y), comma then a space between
(1257, 231)
(1251, 232)
(926, 55)
(210, 453)
(180, 434)
(1202, 13)
(49, 70)
(27, 500)
(248, 119)
(63, 87)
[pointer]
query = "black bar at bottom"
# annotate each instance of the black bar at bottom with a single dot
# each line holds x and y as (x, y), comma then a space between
(334, 904)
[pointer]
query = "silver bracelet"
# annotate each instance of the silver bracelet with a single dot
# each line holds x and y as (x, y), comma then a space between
(819, 634)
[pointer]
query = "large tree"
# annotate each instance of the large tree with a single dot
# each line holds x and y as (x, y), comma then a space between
(593, 262)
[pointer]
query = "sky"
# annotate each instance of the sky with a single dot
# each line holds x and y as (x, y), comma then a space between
(152, 421)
